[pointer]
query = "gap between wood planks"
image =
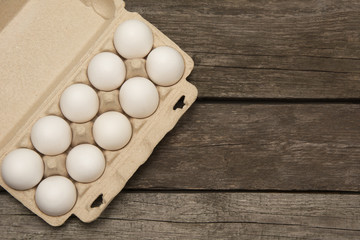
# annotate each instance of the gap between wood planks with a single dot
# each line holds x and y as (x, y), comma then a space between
(196, 191)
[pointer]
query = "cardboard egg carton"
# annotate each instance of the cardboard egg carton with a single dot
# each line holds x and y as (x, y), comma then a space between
(46, 46)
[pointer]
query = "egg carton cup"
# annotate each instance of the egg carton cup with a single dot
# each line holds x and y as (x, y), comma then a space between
(147, 132)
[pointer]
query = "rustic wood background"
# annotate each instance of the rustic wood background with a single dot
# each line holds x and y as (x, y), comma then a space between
(270, 150)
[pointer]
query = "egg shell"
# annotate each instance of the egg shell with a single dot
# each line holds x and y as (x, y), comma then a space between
(165, 66)
(55, 195)
(112, 130)
(22, 169)
(133, 39)
(85, 163)
(79, 103)
(106, 71)
(139, 97)
(51, 135)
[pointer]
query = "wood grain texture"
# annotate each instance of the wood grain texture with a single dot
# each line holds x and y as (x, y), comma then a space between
(204, 215)
(258, 146)
(265, 49)
(244, 49)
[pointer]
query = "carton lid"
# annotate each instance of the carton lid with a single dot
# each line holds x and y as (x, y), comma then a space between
(39, 42)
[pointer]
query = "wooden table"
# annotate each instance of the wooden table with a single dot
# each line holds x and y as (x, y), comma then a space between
(271, 148)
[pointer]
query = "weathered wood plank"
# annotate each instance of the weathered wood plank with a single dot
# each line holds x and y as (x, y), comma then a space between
(266, 81)
(300, 28)
(199, 216)
(262, 49)
(258, 146)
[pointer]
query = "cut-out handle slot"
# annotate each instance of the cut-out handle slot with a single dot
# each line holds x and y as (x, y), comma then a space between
(98, 201)
(180, 103)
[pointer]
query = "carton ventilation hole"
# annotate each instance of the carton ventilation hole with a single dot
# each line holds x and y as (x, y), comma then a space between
(97, 202)
(180, 103)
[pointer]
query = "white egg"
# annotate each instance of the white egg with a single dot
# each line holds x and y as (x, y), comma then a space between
(79, 103)
(106, 71)
(139, 97)
(112, 130)
(22, 169)
(165, 66)
(85, 163)
(51, 135)
(133, 39)
(55, 195)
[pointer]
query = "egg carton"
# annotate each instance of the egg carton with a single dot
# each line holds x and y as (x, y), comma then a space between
(147, 132)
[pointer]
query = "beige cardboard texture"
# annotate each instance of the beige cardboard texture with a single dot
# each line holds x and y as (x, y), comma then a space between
(45, 47)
